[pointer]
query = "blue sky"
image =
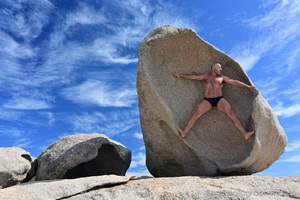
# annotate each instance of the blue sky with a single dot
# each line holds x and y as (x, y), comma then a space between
(69, 66)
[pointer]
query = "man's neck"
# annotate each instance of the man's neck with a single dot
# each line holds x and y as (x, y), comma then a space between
(214, 75)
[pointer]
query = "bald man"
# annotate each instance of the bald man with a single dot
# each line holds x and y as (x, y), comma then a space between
(213, 85)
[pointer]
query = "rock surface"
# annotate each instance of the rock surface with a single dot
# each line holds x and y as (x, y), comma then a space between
(117, 187)
(83, 155)
(214, 146)
(240, 187)
(14, 166)
(59, 189)
(32, 171)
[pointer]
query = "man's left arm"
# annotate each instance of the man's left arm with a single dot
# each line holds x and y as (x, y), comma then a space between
(238, 83)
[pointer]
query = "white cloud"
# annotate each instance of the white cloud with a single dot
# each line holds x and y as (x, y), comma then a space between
(10, 131)
(293, 91)
(142, 148)
(293, 146)
(282, 93)
(106, 47)
(295, 158)
(137, 20)
(11, 48)
(85, 15)
(109, 123)
(110, 52)
(269, 86)
(138, 160)
(101, 93)
(86, 122)
(6, 114)
(46, 48)
(27, 104)
(23, 143)
(48, 118)
(58, 67)
(292, 59)
(10, 53)
(21, 23)
(295, 128)
(283, 13)
(33, 118)
(138, 136)
(288, 111)
(279, 28)
(112, 40)
(247, 62)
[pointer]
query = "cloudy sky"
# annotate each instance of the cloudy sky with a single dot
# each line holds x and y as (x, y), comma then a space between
(69, 66)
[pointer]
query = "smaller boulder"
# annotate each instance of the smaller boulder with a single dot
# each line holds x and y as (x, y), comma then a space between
(14, 166)
(83, 155)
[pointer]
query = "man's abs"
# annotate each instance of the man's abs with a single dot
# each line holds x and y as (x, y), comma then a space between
(213, 90)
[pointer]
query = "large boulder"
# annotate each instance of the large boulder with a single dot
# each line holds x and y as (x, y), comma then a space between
(14, 166)
(83, 155)
(214, 146)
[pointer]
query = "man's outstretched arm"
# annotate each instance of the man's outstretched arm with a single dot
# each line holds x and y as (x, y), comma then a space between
(238, 83)
(192, 77)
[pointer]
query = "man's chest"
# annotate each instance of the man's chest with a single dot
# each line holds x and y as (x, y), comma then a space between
(215, 81)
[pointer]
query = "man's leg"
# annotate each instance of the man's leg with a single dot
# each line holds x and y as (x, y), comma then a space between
(225, 107)
(203, 107)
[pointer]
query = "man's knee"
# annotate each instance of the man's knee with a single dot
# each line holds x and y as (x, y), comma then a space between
(230, 114)
(197, 114)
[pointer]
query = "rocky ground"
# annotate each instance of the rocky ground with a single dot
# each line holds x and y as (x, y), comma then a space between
(125, 187)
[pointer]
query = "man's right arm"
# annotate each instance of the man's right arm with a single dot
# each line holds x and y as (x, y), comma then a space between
(192, 77)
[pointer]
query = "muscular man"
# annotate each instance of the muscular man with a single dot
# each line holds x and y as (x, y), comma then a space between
(214, 98)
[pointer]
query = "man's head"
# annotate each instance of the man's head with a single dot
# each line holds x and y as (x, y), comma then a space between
(216, 69)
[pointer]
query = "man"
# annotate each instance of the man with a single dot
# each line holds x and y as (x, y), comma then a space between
(214, 98)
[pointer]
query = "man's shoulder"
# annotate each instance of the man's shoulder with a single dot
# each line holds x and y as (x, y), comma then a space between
(219, 76)
(225, 77)
(206, 76)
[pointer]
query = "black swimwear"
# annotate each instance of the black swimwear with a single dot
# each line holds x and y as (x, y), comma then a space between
(214, 101)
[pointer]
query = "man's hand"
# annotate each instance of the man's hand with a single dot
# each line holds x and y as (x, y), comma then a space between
(176, 75)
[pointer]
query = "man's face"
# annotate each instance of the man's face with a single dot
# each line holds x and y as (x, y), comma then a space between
(218, 69)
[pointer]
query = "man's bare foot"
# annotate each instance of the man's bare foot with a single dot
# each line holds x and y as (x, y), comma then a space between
(181, 132)
(248, 134)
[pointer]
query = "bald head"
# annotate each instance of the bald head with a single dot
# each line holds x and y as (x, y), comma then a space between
(216, 65)
(216, 69)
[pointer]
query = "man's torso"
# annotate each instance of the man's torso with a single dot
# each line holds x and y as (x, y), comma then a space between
(213, 86)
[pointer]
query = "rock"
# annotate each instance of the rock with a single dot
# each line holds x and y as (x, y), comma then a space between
(59, 189)
(214, 146)
(83, 155)
(32, 171)
(239, 187)
(125, 187)
(14, 166)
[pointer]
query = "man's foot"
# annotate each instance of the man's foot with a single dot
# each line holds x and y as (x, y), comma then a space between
(181, 132)
(248, 134)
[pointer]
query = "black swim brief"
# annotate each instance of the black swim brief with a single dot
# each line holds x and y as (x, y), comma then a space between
(214, 101)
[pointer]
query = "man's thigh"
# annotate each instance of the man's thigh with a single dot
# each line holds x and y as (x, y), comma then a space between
(224, 106)
(204, 107)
